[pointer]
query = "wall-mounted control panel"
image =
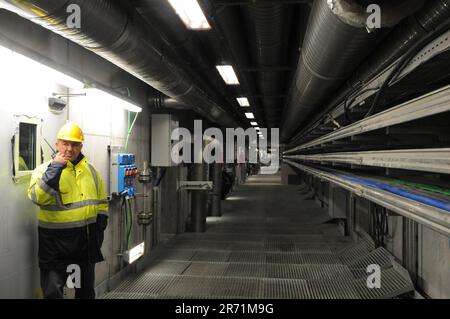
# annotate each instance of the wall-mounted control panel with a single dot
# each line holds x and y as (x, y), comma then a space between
(123, 172)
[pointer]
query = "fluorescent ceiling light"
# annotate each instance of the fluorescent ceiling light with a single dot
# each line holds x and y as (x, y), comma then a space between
(243, 101)
(191, 14)
(106, 98)
(254, 123)
(249, 115)
(228, 74)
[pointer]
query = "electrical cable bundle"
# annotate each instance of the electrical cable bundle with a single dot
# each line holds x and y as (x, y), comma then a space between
(127, 212)
(405, 60)
(379, 225)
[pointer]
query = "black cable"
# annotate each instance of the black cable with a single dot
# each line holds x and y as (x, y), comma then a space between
(13, 166)
(158, 180)
(404, 61)
(347, 104)
(123, 212)
(130, 221)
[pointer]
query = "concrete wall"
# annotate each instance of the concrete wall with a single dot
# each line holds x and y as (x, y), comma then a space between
(434, 263)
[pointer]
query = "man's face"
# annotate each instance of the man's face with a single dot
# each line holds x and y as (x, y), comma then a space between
(70, 150)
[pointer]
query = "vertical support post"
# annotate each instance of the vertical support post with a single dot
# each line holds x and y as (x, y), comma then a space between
(217, 191)
(198, 200)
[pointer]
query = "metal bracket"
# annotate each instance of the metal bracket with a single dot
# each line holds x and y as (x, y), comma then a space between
(195, 185)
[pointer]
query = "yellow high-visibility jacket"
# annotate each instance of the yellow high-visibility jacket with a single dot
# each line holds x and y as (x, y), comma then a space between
(70, 208)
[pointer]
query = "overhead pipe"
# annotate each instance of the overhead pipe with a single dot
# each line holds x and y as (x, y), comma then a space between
(337, 41)
(161, 101)
(400, 40)
(126, 41)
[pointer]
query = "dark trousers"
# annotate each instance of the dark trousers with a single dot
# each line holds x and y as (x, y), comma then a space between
(54, 280)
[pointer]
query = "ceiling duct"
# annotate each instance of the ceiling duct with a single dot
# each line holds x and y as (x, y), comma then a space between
(337, 41)
(400, 40)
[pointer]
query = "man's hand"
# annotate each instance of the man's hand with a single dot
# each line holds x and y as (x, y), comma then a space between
(60, 159)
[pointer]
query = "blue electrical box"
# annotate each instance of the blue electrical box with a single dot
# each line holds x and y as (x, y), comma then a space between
(123, 173)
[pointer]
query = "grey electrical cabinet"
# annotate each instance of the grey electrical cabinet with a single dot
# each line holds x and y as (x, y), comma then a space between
(162, 127)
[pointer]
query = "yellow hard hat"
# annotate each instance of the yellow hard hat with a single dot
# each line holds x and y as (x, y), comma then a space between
(71, 132)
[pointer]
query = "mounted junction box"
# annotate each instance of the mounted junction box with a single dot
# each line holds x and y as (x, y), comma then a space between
(123, 172)
(162, 128)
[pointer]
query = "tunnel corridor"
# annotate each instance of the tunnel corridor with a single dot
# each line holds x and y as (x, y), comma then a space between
(271, 242)
(225, 149)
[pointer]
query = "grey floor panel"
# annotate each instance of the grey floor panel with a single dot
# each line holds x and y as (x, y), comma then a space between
(211, 255)
(328, 272)
(285, 289)
(332, 289)
(314, 248)
(247, 257)
(176, 254)
(247, 246)
(128, 295)
(237, 288)
(320, 259)
(276, 246)
(190, 287)
(164, 267)
(148, 284)
(284, 258)
(286, 271)
(245, 270)
(206, 269)
(393, 284)
(379, 256)
(354, 251)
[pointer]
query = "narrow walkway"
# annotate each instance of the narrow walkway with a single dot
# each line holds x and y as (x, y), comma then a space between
(271, 242)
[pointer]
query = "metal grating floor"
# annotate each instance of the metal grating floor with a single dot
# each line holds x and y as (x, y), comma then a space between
(269, 251)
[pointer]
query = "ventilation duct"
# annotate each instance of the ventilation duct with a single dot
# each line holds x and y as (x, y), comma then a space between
(400, 40)
(336, 42)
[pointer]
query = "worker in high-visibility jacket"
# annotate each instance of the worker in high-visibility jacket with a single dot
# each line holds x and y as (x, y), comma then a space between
(73, 214)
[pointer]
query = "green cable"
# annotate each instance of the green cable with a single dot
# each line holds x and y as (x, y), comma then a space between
(130, 128)
(429, 188)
